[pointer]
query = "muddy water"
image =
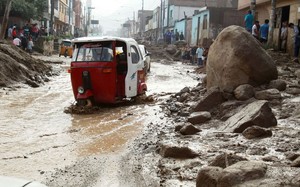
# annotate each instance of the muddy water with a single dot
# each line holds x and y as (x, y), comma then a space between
(37, 136)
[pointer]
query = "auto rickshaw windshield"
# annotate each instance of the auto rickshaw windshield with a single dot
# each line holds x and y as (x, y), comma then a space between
(96, 52)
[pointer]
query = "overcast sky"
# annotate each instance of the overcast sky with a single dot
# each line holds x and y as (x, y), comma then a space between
(112, 13)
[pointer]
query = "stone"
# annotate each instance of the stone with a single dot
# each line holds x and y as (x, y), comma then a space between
(256, 132)
(257, 113)
(236, 58)
(184, 97)
(292, 156)
(208, 176)
(269, 94)
(297, 73)
(199, 117)
(296, 163)
(277, 84)
(169, 151)
(241, 172)
(212, 99)
(178, 127)
(171, 49)
(189, 129)
(244, 92)
(293, 91)
(225, 160)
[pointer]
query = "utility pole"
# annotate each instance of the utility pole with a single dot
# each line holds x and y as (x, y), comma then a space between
(142, 20)
(252, 7)
(51, 17)
(272, 22)
(161, 20)
(5, 19)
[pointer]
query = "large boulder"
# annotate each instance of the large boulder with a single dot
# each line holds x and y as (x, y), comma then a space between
(236, 58)
(257, 113)
(241, 172)
(208, 177)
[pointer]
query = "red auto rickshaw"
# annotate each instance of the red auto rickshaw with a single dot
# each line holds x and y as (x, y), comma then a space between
(106, 70)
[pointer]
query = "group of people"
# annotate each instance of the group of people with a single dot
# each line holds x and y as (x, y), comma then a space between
(23, 37)
(170, 37)
(195, 55)
(260, 32)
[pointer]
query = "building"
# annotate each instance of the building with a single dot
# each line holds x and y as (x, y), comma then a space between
(286, 10)
(208, 22)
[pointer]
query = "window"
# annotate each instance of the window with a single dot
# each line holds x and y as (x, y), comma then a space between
(99, 52)
(135, 57)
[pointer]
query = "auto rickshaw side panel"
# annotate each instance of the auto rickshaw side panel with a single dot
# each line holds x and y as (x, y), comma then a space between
(97, 77)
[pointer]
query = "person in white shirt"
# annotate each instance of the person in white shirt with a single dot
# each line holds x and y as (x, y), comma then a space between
(17, 42)
(255, 30)
(199, 53)
(296, 39)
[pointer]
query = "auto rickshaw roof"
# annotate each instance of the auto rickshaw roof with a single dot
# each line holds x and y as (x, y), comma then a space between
(66, 40)
(102, 38)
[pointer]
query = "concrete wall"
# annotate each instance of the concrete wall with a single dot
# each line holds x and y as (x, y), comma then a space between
(177, 13)
(180, 27)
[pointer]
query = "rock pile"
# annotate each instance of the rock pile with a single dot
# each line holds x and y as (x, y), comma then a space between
(242, 125)
(17, 66)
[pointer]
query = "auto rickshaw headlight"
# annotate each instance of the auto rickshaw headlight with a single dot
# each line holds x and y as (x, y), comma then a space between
(80, 90)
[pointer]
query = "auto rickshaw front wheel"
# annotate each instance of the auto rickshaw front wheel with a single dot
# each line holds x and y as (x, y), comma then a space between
(84, 102)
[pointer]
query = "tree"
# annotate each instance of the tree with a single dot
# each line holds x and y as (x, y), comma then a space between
(5, 19)
(27, 8)
(272, 21)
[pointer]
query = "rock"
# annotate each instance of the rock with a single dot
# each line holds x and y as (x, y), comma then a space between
(236, 58)
(208, 177)
(256, 132)
(244, 92)
(269, 94)
(199, 117)
(257, 113)
(297, 73)
(184, 97)
(171, 49)
(292, 156)
(296, 163)
(213, 98)
(270, 159)
(31, 83)
(277, 84)
(189, 129)
(293, 91)
(225, 160)
(178, 127)
(241, 172)
(168, 151)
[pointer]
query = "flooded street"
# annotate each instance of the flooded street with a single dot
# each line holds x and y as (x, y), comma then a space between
(38, 138)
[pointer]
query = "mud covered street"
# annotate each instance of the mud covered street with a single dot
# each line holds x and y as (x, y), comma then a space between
(40, 142)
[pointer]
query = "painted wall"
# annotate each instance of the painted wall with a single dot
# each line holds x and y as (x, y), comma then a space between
(197, 26)
(177, 13)
(180, 27)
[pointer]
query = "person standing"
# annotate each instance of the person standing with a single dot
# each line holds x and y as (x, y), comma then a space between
(181, 36)
(30, 45)
(168, 37)
(255, 30)
(283, 36)
(248, 20)
(14, 32)
(296, 39)
(9, 32)
(264, 31)
(199, 53)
